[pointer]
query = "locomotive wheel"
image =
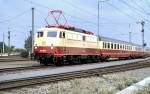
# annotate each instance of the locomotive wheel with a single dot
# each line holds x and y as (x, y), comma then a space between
(43, 62)
(59, 61)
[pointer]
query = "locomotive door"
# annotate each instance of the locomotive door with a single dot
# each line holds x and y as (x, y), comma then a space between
(63, 42)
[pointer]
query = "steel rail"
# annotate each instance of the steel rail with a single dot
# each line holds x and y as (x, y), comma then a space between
(6, 70)
(13, 60)
(71, 75)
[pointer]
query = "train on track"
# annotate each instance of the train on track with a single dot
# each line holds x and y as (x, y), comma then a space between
(58, 44)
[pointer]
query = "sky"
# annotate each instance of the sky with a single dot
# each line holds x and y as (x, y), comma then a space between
(117, 17)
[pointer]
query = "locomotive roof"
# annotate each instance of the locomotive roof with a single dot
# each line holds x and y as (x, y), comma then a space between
(117, 41)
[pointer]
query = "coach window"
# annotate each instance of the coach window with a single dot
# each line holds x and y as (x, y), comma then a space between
(103, 45)
(108, 45)
(126, 47)
(121, 46)
(111, 45)
(115, 46)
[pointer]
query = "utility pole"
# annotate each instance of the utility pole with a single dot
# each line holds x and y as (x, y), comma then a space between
(143, 42)
(3, 43)
(142, 30)
(8, 42)
(130, 34)
(98, 16)
(98, 20)
(32, 33)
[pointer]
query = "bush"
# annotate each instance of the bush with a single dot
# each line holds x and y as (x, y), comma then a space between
(24, 54)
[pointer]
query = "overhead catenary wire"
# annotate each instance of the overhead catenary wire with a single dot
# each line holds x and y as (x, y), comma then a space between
(79, 19)
(46, 7)
(142, 9)
(122, 12)
(79, 8)
(139, 9)
(134, 9)
(15, 17)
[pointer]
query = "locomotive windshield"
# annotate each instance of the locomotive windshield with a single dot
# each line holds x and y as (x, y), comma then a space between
(39, 34)
(52, 34)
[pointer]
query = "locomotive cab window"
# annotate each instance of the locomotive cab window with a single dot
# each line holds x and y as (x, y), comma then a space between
(51, 34)
(39, 34)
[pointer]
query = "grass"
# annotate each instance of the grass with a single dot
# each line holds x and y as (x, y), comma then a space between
(145, 90)
(121, 82)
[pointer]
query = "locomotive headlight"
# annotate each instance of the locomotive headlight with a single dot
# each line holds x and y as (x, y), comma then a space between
(52, 46)
(35, 47)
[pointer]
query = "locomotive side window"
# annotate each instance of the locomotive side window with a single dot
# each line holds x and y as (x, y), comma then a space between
(83, 38)
(52, 34)
(39, 34)
(79, 37)
(62, 35)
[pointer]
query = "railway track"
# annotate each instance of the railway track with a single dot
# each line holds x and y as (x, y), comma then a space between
(71, 75)
(12, 60)
(6, 70)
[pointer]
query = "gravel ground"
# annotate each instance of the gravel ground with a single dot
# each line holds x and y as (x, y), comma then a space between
(106, 84)
(145, 90)
(17, 64)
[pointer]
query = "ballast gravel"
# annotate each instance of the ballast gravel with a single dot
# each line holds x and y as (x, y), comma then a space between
(106, 84)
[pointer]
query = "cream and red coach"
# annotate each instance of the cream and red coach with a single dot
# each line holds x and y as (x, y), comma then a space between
(57, 45)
